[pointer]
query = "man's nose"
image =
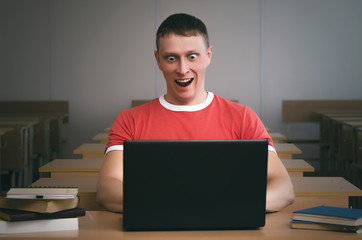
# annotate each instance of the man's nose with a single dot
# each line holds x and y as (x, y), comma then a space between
(183, 67)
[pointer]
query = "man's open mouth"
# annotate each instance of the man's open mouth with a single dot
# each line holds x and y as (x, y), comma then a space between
(184, 82)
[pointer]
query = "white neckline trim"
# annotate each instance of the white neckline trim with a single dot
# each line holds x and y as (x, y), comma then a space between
(187, 108)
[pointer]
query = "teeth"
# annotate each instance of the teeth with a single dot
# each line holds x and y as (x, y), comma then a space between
(183, 80)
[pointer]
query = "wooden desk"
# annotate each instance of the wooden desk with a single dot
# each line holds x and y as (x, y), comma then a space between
(276, 137)
(101, 138)
(91, 150)
(316, 189)
(296, 167)
(286, 150)
(18, 155)
(107, 225)
(72, 168)
(331, 139)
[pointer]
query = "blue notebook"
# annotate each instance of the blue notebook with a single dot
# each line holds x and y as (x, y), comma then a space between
(331, 215)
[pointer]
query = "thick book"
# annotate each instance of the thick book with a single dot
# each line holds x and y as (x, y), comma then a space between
(45, 225)
(331, 215)
(43, 192)
(12, 215)
(39, 205)
(324, 226)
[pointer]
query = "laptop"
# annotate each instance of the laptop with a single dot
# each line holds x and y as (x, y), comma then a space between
(194, 184)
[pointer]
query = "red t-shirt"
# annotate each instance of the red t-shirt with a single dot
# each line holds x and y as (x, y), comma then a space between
(215, 118)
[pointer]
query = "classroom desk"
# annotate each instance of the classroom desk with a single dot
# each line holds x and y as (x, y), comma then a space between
(90, 167)
(91, 150)
(18, 156)
(52, 131)
(96, 150)
(330, 124)
(297, 167)
(72, 168)
(318, 190)
(276, 137)
(347, 145)
(101, 137)
(108, 225)
(286, 150)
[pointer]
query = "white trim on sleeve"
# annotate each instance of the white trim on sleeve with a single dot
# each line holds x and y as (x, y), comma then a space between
(114, 148)
(271, 148)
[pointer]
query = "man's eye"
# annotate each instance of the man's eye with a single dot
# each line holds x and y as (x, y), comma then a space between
(193, 56)
(171, 59)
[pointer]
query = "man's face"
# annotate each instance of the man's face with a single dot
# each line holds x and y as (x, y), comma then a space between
(183, 61)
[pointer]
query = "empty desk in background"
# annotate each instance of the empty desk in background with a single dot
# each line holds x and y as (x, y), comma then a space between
(346, 145)
(297, 167)
(72, 168)
(276, 137)
(286, 150)
(41, 134)
(357, 157)
(18, 155)
(91, 150)
(321, 190)
(101, 137)
(3, 145)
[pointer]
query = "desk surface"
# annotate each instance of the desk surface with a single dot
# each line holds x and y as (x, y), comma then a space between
(94, 165)
(287, 148)
(303, 186)
(108, 225)
(72, 165)
(324, 186)
(297, 165)
(353, 123)
(90, 148)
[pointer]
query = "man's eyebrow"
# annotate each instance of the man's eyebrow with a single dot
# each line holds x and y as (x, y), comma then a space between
(176, 54)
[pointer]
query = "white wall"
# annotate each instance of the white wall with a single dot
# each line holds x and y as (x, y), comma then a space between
(98, 54)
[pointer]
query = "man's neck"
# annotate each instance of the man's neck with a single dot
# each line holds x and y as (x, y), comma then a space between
(187, 102)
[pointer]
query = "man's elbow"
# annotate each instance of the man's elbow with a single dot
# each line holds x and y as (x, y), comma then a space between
(106, 202)
(276, 202)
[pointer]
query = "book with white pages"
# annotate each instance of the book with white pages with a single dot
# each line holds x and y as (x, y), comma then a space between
(43, 193)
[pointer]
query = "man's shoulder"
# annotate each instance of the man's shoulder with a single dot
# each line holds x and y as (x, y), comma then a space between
(230, 103)
(142, 109)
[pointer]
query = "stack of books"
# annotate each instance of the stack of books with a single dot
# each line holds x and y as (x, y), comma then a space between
(329, 219)
(39, 209)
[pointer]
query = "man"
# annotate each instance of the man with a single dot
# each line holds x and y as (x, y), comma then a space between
(186, 111)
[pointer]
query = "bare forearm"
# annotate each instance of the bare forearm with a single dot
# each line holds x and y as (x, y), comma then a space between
(110, 194)
(279, 195)
(110, 182)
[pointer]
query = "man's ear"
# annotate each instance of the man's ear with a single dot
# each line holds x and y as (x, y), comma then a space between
(157, 58)
(209, 54)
